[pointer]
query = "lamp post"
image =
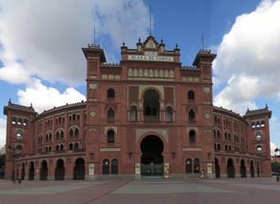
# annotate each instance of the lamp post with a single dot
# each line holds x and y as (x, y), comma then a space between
(13, 163)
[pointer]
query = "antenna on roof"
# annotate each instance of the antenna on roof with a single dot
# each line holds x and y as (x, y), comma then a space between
(150, 21)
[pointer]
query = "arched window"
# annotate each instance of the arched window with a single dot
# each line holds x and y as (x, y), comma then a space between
(259, 149)
(151, 106)
(110, 93)
(71, 133)
(191, 115)
(111, 114)
(19, 135)
(133, 113)
(14, 120)
(18, 149)
(25, 121)
(218, 134)
(114, 166)
(105, 166)
(111, 136)
(76, 145)
(19, 121)
(258, 136)
(196, 166)
(61, 147)
(57, 135)
(76, 132)
(192, 137)
(169, 114)
(70, 146)
(61, 134)
(191, 95)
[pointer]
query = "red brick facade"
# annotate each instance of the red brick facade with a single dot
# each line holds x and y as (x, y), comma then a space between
(145, 116)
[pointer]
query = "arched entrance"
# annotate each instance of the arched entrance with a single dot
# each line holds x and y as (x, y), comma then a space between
(230, 168)
(242, 169)
(59, 170)
(252, 169)
(79, 169)
(22, 171)
(151, 159)
(31, 171)
(217, 168)
(44, 170)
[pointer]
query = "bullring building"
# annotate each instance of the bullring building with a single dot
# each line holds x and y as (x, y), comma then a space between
(146, 116)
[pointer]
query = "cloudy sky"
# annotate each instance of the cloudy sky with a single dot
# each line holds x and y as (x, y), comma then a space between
(41, 62)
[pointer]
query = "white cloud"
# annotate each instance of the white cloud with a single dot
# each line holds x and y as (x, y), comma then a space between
(46, 37)
(272, 148)
(43, 98)
(248, 60)
(2, 132)
(123, 20)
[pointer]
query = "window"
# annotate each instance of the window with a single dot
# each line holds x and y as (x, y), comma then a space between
(133, 113)
(191, 115)
(61, 134)
(191, 95)
(25, 122)
(259, 149)
(169, 114)
(19, 122)
(76, 132)
(111, 136)
(18, 150)
(258, 136)
(71, 133)
(70, 146)
(192, 137)
(111, 114)
(19, 135)
(14, 120)
(110, 93)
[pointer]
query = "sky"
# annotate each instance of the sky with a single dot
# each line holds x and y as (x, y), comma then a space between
(41, 61)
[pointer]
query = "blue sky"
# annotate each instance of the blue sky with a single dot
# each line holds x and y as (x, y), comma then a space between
(41, 61)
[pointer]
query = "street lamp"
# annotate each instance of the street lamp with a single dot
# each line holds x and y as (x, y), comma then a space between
(13, 164)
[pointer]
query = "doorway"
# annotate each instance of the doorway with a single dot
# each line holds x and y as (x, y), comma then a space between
(152, 159)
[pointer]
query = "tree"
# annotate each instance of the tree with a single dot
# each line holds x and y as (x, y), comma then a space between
(275, 167)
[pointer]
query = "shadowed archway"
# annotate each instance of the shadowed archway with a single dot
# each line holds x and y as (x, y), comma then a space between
(152, 159)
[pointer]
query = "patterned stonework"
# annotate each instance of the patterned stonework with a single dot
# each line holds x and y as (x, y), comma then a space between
(144, 87)
(142, 131)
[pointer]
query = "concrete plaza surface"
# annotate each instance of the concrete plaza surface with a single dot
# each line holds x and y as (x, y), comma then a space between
(195, 191)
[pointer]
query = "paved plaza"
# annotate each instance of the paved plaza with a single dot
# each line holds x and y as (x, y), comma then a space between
(195, 191)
